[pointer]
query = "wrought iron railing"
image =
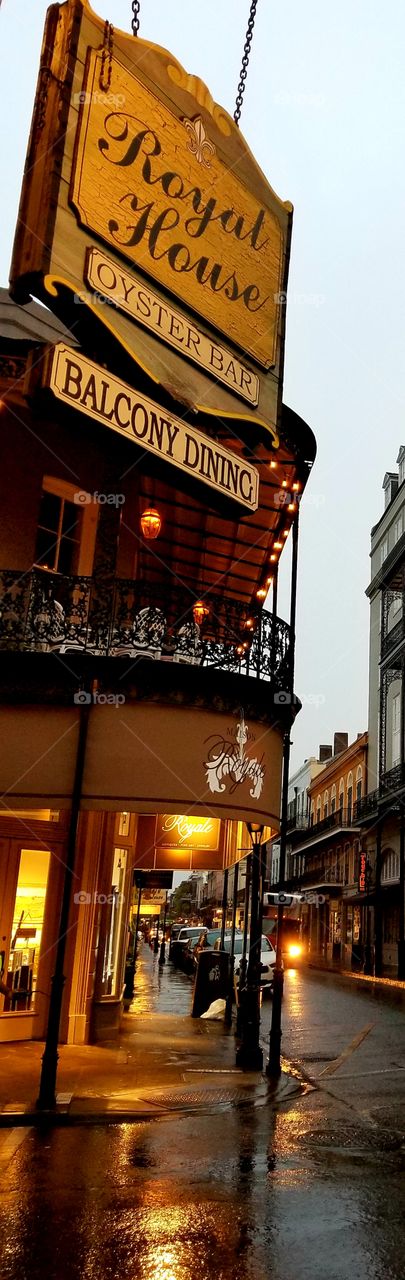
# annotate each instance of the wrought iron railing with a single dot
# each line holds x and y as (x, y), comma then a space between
(44, 612)
(392, 639)
(340, 818)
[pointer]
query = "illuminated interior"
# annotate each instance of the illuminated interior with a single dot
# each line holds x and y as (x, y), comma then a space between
(28, 920)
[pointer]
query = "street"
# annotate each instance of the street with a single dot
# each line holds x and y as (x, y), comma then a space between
(310, 1189)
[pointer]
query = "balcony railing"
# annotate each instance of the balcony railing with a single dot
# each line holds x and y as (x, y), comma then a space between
(392, 639)
(340, 818)
(43, 612)
(390, 782)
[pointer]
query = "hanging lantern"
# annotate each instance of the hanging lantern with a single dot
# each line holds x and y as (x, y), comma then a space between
(200, 612)
(151, 523)
(261, 593)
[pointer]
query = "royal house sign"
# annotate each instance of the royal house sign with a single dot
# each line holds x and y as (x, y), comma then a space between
(143, 205)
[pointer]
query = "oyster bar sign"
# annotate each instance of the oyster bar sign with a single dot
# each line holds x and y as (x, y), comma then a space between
(83, 385)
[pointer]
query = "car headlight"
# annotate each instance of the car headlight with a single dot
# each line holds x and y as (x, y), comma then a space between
(294, 950)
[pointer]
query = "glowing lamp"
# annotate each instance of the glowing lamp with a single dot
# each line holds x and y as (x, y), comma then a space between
(261, 593)
(277, 546)
(151, 524)
(200, 612)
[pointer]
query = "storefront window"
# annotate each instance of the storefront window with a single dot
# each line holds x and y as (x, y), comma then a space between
(21, 972)
(114, 906)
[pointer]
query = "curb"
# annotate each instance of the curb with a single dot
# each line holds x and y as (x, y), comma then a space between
(265, 1092)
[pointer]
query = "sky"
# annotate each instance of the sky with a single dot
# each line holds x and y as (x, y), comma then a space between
(324, 114)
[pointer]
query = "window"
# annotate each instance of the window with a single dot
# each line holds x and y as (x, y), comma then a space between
(312, 813)
(20, 965)
(398, 529)
(390, 866)
(123, 823)
(341, 794)
(58, 534)
(359, 783)
(112, 975)
(318, 809)
(66, 530)
(396, 729)
(333, 799)
(325, 804)
(383, 550)
(349, 796)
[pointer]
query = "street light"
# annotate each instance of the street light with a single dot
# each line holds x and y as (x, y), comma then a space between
(249, 1055)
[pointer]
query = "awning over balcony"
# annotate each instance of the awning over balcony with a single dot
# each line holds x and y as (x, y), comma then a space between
(202, 546)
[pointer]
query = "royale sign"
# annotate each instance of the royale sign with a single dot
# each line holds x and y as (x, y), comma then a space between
(181, 831)
(83, 385)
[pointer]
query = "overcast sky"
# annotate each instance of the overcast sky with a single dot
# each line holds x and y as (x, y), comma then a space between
(324, 114)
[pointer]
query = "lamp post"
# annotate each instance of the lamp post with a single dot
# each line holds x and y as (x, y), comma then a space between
(249, 1055)
(274, 1064)
(242, 972)
(156, 938)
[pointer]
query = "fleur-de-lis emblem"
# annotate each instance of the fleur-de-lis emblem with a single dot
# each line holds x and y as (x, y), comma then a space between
(198, 143)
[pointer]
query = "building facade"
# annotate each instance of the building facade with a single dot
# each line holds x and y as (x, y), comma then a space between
(151, 476)
(382, 813)
(325, 858)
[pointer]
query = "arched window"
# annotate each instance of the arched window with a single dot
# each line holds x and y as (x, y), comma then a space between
(318, 808)
(312, 815)
(325, 803)
(333, 799)
(359, 783)
(390, 866)
(341, 794)
(349, 796)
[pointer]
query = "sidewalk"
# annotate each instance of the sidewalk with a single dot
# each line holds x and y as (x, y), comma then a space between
(391, 988)
(163, 1062)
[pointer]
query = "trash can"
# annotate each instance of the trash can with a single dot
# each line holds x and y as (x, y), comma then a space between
(212, 980)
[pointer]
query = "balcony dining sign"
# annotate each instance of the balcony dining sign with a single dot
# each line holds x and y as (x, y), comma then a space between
(143, 205)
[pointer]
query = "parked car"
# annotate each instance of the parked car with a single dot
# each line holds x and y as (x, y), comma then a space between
(267, 956)
(174, 933)
(179, 945)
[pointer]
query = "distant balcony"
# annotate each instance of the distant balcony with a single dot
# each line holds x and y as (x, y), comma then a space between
(340, 818)
(392, 639)
(43, 612)
(390, 782)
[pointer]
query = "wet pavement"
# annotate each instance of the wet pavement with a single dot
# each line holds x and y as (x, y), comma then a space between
(307, 1189)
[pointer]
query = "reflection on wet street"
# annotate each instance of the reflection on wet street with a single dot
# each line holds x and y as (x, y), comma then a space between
(311, 1189)
(160, 988)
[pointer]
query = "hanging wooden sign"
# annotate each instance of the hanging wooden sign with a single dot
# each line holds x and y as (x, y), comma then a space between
(83, 385)
(131, 164)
